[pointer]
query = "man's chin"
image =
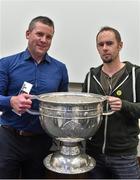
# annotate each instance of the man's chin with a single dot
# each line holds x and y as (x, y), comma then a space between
(41, 53)
(107, 61)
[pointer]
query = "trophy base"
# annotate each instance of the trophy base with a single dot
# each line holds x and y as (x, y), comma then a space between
(65, 164)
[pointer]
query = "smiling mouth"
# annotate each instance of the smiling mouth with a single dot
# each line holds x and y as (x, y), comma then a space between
(41, 47)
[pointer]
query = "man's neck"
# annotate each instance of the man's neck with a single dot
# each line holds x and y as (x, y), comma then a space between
(37, 57)
(112, 68)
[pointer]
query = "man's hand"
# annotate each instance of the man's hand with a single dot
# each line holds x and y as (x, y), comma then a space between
(21, 103)
(115, 103)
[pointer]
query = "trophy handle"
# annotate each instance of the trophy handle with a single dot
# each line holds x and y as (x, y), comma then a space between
(107, 113)
(33, 112)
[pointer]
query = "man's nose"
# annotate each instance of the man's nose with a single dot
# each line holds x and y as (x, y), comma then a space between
(105, 46)
(43, 39)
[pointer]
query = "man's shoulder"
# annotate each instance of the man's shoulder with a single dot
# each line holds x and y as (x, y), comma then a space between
(95, 69)
(133, 69)
(137, 70)
(13, 56)
(129, 64)
(56, 61)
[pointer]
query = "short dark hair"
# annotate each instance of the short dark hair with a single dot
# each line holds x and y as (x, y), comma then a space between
(42, 19)
(107, 28)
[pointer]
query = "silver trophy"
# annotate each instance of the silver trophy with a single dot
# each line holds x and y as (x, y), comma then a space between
(70, 118)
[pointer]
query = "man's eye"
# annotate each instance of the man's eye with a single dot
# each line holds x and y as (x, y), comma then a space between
(40, 34)
(100, 44)
(49, 37)
(109, 43)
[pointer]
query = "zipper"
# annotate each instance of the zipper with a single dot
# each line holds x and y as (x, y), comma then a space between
(105, 134)
(99, 84)
(106, 117)
(106, 122)
(107, 107)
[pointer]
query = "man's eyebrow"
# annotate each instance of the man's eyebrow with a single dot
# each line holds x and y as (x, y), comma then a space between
(106, 42)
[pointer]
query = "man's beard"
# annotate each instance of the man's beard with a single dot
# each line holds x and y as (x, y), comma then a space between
(107, 61)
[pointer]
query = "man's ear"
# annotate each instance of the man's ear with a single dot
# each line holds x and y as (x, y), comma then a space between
(27, 34)
(120, 45)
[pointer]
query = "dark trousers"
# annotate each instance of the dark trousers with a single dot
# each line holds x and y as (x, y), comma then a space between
(115, 167)
(22, 157)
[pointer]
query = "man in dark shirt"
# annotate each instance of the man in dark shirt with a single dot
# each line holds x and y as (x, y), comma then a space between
(23, 142)
(114, 146)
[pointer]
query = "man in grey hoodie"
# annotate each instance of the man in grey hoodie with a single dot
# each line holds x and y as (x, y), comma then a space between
(114, 146)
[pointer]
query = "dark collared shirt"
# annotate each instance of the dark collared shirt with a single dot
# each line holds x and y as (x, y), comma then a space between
(48, 76)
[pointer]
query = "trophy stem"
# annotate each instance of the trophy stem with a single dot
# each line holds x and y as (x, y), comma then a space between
(70, 149)
(69, 160)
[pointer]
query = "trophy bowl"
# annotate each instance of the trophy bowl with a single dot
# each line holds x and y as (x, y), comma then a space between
(70, 118)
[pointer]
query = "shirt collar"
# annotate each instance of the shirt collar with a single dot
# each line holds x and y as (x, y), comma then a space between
(27, 56)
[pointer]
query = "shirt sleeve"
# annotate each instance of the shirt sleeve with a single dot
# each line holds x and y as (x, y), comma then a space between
(4, 99)
(65, 80)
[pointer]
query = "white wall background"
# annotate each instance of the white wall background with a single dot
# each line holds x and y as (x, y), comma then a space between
(76, 24)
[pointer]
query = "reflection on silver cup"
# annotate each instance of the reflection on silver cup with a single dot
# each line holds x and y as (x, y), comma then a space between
(70, 117)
